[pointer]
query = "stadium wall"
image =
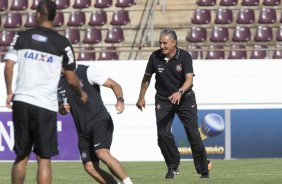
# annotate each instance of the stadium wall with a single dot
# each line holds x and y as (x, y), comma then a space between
(223, 86)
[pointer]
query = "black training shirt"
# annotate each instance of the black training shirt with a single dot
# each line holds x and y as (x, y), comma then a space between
(170, 74)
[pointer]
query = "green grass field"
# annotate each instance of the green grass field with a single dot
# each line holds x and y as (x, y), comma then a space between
(242, 171)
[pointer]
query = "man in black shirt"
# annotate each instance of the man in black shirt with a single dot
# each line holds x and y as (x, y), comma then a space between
(40, 53)
(94, 124)
(174, 80)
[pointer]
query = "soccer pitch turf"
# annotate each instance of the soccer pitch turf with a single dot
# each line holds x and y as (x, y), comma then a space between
(241, 171)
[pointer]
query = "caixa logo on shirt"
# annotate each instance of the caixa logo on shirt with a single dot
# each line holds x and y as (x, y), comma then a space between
(36, 56)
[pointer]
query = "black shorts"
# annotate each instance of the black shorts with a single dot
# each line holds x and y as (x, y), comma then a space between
(100, 136)
(34, 128)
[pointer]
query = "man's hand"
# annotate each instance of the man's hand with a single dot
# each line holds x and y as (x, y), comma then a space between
(119, 106)
(9, 101)
(140, 103)
(175, 98)
(84, 97)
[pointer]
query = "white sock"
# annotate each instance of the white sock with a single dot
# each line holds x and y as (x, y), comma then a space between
(127, 181)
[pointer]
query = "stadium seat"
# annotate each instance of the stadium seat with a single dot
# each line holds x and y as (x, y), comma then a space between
(228, 2)
(206, 2)
(215, 52)
(120, 17)
(86, 54)
(263, 34)
(223, 16)
(267, 16)
(219, 34)
(13, 20)
(279, 34)
(197, 34)
(62, 4)
(76, 18)
(92, 36)
(98, 18)
(19, 5)
(73, 35)
(241, 34)
(114, 35)
(103, 3)
(277, 53)
(6, 37)
(271, 2)
(30, 20)
(108, 53)
(124, 3)
(34, 4)
(3, 5)
(237, 52)
(250, 2)
(195, 51)
(246, 16)
(280, 21)
(59, 19)
(258, 52)
(80, 4)
(201, 16)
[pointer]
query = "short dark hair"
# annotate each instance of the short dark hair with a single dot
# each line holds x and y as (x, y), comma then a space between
(169, 32)
(47, 9)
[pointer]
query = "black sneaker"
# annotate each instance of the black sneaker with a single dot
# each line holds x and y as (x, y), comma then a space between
(206, 175)
(171, 173)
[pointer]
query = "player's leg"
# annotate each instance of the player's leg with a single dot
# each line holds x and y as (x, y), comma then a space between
(23, 143)
(166, 140)
(44, 174)
(102, 132)
(91, 162)
(44, 132)
(19, 170)
(112, 163)
(187, 113)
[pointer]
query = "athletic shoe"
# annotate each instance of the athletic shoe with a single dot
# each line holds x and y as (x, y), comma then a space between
(171, 173)
(206, 175)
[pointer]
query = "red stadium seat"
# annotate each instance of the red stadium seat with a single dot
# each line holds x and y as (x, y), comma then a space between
(19, 5)
(31, 20)
(271, 2)
(114, 35)
(76, 18)
(246, 16)
(223, 16)
(6, 37)
(103, 3)
(73, 35)
(277, 53)
(228, 2)
(250, 2)
(13, 20)
(195, 51)
(219, 34)
(259, 52)
(197, 34)
(267, 16)
(62, 4)
(241, 34)
(92, 36)
(201, 16)
(108, 53)
(263, 34)
(206, 2)
(237, 52)
(34, 4)
(124, 3)
(86, 54)
(120, 17)
(80, 4)
(59, 19)
(98, 18)
(3, 5)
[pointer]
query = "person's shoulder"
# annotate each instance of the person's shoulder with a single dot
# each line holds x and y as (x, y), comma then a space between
(184, 53)
(156, 53)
